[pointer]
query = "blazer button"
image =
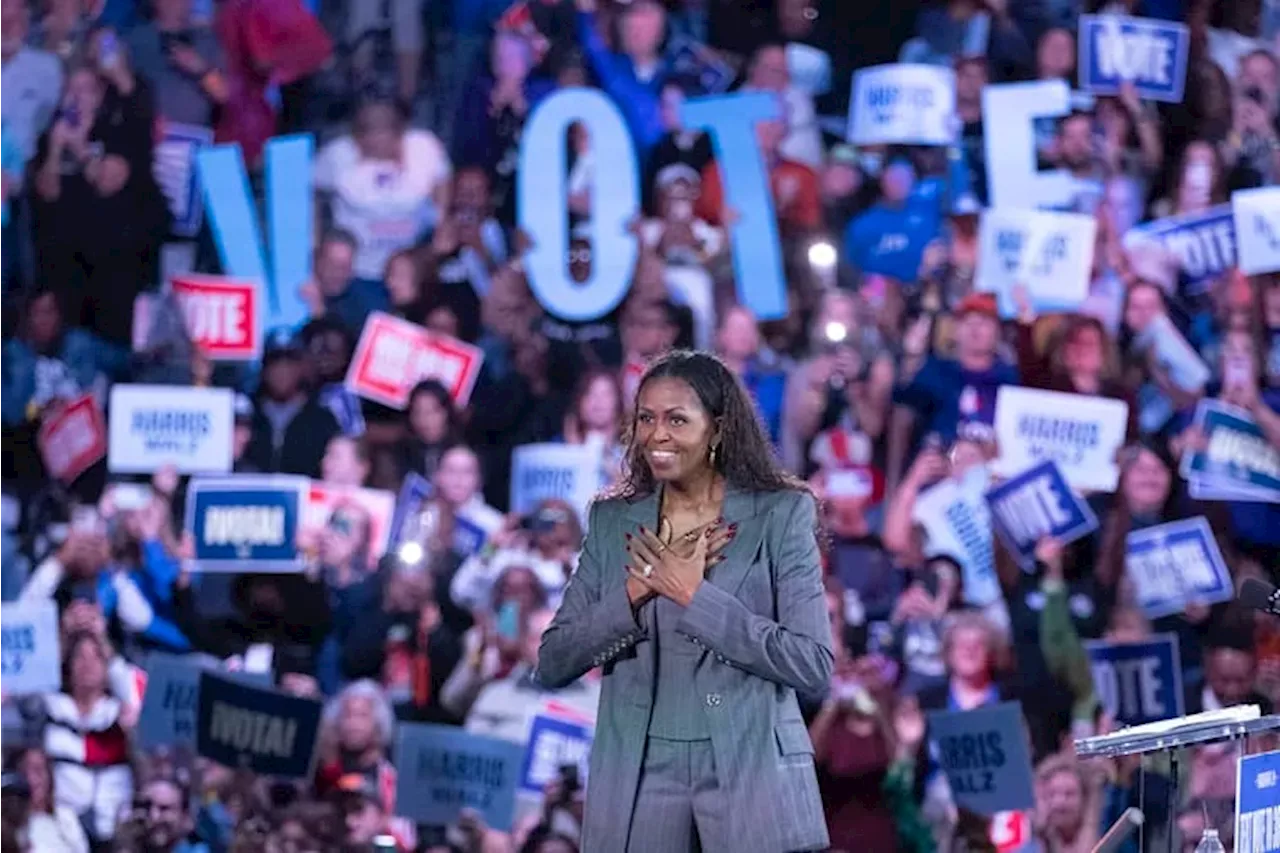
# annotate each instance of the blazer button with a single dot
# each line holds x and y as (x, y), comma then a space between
(713, 699)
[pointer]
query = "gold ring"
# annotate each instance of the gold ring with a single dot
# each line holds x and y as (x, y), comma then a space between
(647, 570)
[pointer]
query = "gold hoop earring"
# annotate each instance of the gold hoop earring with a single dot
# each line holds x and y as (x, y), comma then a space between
(712, 455)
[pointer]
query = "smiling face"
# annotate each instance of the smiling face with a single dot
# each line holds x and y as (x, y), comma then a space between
(674, 431)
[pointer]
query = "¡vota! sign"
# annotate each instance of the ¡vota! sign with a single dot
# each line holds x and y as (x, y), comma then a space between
(150, 426)
(246, 522)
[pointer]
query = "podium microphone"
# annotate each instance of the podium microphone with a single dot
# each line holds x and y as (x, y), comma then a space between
(1260, 595)
(1120, 831)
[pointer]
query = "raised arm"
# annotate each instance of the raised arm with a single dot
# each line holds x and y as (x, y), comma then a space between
(796, 649)
(592, 627)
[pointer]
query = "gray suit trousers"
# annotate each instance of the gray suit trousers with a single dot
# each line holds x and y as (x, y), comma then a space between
(679, 806)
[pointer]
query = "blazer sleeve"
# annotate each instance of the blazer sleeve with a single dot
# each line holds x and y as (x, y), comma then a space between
(796, 649)
(591, 628)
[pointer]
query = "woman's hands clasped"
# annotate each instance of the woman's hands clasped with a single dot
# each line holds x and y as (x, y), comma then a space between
(674, 570)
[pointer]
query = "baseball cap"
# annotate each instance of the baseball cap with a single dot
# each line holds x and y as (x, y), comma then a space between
(981, 303)
(243, 408)
(280, 343)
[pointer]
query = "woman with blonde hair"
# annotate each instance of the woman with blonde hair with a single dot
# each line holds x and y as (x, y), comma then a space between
(1068, 811)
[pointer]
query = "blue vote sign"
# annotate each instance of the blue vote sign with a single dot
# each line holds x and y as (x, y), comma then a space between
(1137, 682)
(1035, 504)
(1149, 53)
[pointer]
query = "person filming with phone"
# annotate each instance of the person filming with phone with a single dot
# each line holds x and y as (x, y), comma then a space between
(92, 167)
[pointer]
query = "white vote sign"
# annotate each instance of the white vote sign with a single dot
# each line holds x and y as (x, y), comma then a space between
(911, 104)
(1257, 220)
(1081, 434)
(1050, 254)
(32, 661)
(150, 426)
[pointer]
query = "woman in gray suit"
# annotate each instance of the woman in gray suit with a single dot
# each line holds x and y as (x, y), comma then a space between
(699, 592)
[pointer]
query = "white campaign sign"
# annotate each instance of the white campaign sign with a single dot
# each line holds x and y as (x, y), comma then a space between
(1008, 111)
(32, 661)
(1050, 254)
(957, 523)
(912, 104)
(1257, 219)
(150, 426)
(568, 472)
(1081, 434)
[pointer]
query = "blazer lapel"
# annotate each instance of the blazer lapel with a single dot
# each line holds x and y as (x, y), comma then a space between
(739, 555)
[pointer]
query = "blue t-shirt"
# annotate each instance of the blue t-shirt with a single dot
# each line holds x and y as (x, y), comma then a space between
(890, 241)
(944, 395)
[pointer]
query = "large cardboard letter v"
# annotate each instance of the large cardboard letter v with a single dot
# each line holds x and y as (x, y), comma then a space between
(230, 210)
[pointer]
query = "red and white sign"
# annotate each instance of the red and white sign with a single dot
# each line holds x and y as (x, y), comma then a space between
(73, 439)
(223, 315)
(324, 498)
(394, 355)
(1010, 830)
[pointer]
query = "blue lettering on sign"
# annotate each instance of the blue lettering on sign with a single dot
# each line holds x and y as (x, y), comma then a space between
(544, 483)
(18, 644)
(887, 100)
(1053, 252)
(1033, 510)
(1009, 246)
(1263, 229)
(1258, 804)
(170, 430)
(1150, 55)
(1204, 243)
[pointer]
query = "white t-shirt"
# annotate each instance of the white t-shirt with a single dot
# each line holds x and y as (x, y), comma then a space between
(385, 204)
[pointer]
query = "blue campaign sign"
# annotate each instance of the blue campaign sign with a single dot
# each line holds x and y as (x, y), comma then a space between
(1258, 803)
(441, 770)
(174, 168)
(1035, 504)
(256, 728)
(1138, 682)
(1176, 564)
(414, 492)
(1204, 243)
(1149, 53)
(554, 742)
(246, 523)
(986, 757)
(1238, 454)
(168, 715)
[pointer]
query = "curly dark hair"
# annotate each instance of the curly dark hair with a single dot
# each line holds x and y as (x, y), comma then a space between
(744, 456)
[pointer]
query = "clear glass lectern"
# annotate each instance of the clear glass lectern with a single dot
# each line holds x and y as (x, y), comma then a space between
(1170, 737)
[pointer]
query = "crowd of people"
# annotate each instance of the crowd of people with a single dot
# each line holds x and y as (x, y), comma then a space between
(879, 383)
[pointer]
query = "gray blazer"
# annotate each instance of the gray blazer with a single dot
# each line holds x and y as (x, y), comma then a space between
(761, 619)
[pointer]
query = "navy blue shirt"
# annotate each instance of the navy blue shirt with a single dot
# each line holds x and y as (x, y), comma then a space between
(945, 395)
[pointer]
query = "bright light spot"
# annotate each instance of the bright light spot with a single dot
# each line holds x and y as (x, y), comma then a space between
(822, 255)
(836, 332)
(411, 553)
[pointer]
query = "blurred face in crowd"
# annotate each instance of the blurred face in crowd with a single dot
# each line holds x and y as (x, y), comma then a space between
(769, 69)
(428, 418)
(511, 58)
(84, 93)
(1084, 351)
(408, 590)
(1259, 73)
(1146, 483)
(673, 430)
(520, 586)
(506, 308)
(1145, 304)
(378, 130)
(669, 104)
(646, 331)
(769, 136)
(343, 464)
(14, 21)
(1056, 55)
(1229, 673)
(358, 724)
(897, 181)
(88, 667)
(1128, 625)
(333, 267)
(976, 336)
(364, 821)
(282, 377)
(739, 337)
(458, 477)
(328, 353)
(1075, 141)
(402, 281)
(1124, 202)
(44, 321)
(601, 404)
(971, 77)
(1063, 803)
(969, 657)
(641, 29)
(1195, 184)
(165, 814)
(344, 536)
(443, 321)
(471, 196)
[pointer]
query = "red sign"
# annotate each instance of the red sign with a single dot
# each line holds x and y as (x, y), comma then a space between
(1010, 830)
(222, 315)
(394, 355)
(73, 439)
